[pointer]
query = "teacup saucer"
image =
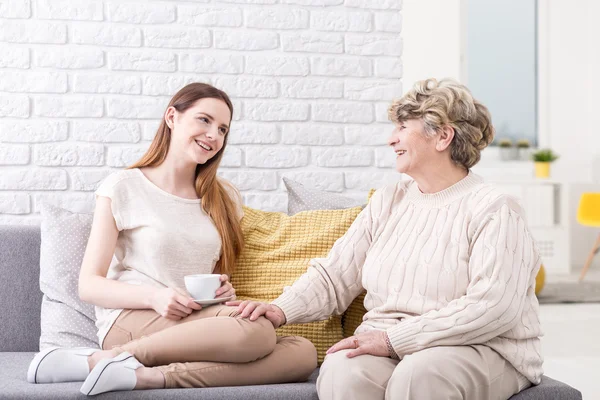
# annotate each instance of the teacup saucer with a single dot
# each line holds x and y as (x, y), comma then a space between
(208, 302)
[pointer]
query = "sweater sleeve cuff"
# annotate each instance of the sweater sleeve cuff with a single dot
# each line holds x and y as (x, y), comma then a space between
(291, 307)
(402, 337)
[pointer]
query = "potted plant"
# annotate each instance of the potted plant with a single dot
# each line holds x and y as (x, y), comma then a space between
(523, 149)
(542, 159)
(507, 152)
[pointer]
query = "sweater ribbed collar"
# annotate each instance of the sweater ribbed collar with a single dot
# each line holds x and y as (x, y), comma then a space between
(446, 196)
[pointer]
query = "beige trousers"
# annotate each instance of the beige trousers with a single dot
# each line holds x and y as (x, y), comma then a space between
(449, 373)
(212, 347)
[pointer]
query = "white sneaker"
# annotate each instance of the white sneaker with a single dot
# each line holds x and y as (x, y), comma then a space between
(112, 374)
(57, 364)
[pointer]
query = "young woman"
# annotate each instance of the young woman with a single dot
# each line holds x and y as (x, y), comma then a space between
(165, 217)
(448, 264)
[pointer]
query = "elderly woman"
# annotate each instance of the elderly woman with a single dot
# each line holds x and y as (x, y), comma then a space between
(448, 264)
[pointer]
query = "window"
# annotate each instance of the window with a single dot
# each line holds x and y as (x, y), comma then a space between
(501, 64)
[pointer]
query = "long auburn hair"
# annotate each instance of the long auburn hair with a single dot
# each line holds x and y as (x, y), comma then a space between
(216, 194)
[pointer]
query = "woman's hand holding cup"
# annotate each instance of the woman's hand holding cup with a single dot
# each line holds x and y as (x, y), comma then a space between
(172, 304)
(226, 289)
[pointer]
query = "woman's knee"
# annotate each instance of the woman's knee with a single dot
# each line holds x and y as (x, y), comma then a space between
(308, 352)
(257, 337)
(418, 374)
(303, 352)
(259, 333)
(266, 332)
(339, 373)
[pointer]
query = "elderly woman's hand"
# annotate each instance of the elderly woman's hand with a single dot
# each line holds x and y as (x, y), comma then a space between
(254, 309)
(372, 342)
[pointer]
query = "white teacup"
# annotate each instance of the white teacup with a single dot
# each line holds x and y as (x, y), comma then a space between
(202, 286)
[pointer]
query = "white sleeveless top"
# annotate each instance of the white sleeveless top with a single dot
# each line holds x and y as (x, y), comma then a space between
(161, 239)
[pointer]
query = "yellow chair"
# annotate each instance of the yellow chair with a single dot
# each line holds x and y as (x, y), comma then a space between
(588, 214)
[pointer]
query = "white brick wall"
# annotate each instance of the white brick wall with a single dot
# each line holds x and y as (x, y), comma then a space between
(83, 84)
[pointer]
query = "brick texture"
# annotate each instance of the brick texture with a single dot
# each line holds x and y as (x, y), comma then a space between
(83, 85)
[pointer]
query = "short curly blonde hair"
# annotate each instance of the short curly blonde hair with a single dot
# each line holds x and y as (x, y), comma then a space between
(450, 103)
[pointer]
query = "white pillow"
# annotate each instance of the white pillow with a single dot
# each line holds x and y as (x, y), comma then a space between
(301, 198)
(66, 321)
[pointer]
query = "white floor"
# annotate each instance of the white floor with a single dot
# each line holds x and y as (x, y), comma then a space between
(571, 343)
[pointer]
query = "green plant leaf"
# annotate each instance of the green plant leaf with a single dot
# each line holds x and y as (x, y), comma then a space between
(544, 155)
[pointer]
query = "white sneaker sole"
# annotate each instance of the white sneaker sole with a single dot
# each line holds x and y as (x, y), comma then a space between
(35, 363)
(92, 380)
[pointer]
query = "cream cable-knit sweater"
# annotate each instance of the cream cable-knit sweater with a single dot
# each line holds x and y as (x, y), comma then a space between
(452, 268)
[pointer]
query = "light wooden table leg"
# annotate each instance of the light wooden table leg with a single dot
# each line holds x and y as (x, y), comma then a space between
(588, 262)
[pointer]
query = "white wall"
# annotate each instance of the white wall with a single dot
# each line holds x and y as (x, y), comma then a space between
(433, 39)
(83, 84)
(571, 61)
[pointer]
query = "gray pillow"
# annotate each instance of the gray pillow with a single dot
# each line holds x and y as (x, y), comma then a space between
(66, 321)
(301, 198)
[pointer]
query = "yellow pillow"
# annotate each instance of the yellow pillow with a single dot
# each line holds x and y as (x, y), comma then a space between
(278, 250)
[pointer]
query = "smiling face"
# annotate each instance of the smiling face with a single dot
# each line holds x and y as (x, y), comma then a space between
(414, 148)
(199, 132)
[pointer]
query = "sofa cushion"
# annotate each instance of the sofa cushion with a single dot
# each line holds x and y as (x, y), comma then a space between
(66, 321)
(13, 385)
(278, 250)
(20, 295)
(301, 198)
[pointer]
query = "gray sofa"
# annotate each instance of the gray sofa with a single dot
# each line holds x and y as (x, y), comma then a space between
(20, 300)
